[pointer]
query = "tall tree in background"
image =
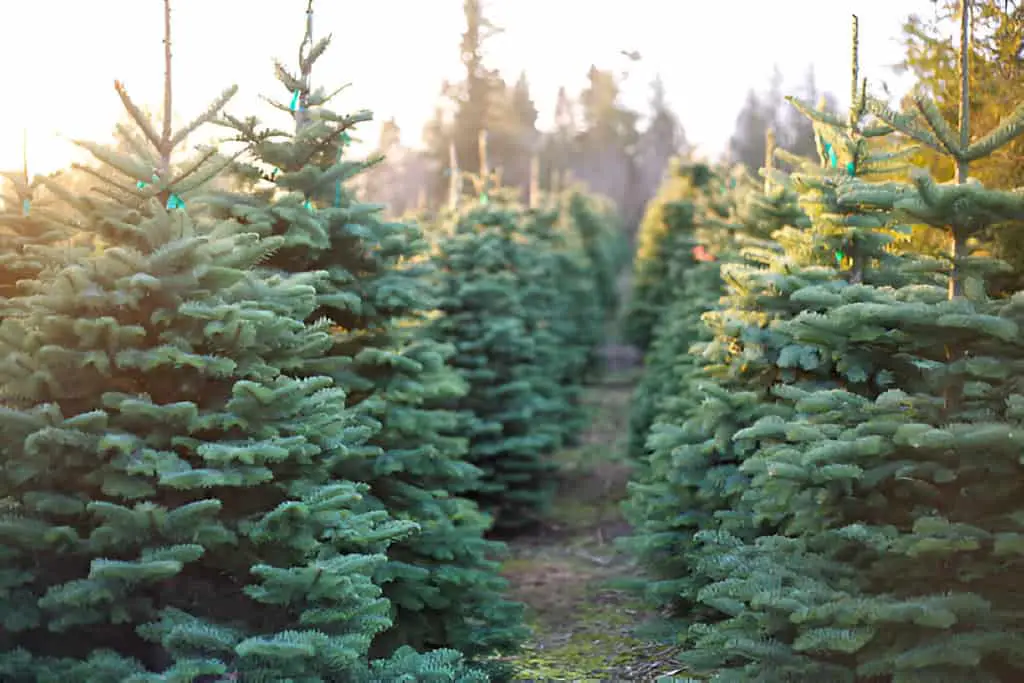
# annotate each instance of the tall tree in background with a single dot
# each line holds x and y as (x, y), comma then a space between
(662, 139)
(607, 143)
(769, 109)
(759, 113)
(475, 96)
(471, 102)
(664, 126)
(996, 71)
(795, 132)
(513, 137)
(558, 155)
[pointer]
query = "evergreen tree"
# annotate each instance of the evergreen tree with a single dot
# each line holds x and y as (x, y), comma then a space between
(894, 540)
(442, 582)
(653, 277)
(559, 153)
(606, 144)
(768, 111)
(603, 242)
(654, 385)
(512, 135)
(706, 240)
(996, 76)
(494, 309)
(32, 242)
(475, 100)
(693, 480)
(663, 139)
(688, 474)
(171, 507)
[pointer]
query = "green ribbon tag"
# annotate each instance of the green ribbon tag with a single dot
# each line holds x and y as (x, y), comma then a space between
(840, 256)
(175, 202)
(295, 101)
(483, 199)
(26, 206)
(308, 206)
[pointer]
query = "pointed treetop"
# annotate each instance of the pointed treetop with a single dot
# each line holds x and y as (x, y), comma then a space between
(963, 210)
(843, 140)
(148, 171)
(926, 125)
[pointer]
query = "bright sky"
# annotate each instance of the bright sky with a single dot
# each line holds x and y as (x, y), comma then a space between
(62, 56)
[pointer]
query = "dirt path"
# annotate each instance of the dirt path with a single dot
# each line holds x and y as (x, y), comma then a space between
(584, 628)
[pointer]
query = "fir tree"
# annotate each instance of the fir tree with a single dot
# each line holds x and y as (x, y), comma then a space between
(654, 385)
(564, 312)
(602, 242)
(894, 488)
(513, 410)
(697, 230)
(653, 279)
(32, 242)
(171, 510)
(694, 478)
(442, 582)
(687, 475)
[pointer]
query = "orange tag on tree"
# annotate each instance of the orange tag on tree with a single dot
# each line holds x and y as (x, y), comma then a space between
(701, 254)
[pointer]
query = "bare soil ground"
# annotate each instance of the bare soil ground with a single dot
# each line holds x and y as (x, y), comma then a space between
(585, 628)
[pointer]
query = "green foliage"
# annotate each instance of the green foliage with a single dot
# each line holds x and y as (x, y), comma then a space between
(226, 452)
(521, 302)
(996, 73)
(32, 243)
(692, 479)
(604, 244)
(564, 317)
(442, 582)
(493, 298)
(720, 358)
(165, 482)
(656, 271)
(701, 234)
(834, 521)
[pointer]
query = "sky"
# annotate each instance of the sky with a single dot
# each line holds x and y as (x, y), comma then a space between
(62, 57)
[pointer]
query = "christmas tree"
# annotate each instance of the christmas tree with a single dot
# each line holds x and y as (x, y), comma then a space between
(170, 510)
(513, 409)
(442, 582)
(171, 507)
(893, 488)
(700, 231)
(693, 478)
(653, 281)
(564, 315)
(602, 242)
(686, 470)
(32, 243)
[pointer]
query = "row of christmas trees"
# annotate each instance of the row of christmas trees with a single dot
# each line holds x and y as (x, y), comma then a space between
(829, 435)
(261, 433)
